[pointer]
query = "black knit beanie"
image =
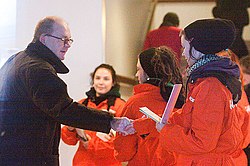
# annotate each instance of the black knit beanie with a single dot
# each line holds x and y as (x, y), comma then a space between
(210, 36)
(146, 62)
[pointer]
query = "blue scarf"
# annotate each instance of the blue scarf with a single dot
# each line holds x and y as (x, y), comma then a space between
(203, 61)
(222, 68)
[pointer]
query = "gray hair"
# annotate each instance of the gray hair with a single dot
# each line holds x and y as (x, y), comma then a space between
(45, 26)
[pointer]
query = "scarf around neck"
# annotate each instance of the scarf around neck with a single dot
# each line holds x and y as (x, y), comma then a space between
(222, 68)
(202, 61)
(110, 96)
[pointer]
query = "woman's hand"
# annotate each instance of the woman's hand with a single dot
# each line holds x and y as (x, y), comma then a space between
(85, 143)
(159, 126)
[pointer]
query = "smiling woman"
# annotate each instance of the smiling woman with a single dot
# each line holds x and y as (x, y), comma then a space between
(104, 95)
(7, 29)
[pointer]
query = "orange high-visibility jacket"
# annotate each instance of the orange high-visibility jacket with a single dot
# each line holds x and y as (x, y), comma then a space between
(209, 129)
(165, 36)
(138, 149)
(98, 152)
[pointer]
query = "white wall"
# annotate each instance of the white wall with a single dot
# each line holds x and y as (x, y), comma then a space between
(7, 29)
(187, 11)
(126, 25)
(84, 18)
(126, 20)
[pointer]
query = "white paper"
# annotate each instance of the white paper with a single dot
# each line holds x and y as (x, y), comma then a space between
(106, 137)
(171, 103)
(150, 114)
(168, 109)
(102, 136)
(81, 133)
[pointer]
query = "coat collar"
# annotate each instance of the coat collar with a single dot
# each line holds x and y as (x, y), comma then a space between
(39, 50)
(145, 87)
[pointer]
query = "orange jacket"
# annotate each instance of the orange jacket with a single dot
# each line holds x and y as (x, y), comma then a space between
(244, 105)
(138, 149)
(98, 152)
(167, 36)
(209, 129)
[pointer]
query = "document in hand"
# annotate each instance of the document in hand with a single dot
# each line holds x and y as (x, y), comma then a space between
(150, 114)
(168, 109)
(81, 133)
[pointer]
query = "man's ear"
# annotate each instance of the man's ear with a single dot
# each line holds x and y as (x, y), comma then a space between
(42, 38)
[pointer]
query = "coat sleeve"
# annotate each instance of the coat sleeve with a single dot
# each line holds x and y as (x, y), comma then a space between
(205, 116)
(118, 107)
(244, 112)
(98, 146)
(69, 137)
(49, 94)
(144, 126)
(125, 147)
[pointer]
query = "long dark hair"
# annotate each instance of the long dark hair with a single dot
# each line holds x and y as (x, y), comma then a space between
(160, 64)
(165, 64)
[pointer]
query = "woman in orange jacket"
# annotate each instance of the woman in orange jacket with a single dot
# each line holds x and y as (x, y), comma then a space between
(104, 95)
(157, 71)
(210, 129)
(243, 103)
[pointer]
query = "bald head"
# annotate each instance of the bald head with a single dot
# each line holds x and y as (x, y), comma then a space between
(54, 33)
(46, 26)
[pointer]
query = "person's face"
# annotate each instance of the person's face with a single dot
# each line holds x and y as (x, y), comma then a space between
(186, 47)
(140, 74)
(56, 45)
(103, 81)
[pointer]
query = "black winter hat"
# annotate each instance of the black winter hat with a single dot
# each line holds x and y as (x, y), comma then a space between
(146, 62)
(210, 36)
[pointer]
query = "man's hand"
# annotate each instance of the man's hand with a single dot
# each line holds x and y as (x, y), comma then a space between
(122, 125)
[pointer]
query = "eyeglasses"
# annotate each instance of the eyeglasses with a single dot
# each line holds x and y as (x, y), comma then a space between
(65, 40)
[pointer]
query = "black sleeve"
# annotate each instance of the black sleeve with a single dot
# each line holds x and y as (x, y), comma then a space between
(49, 93)
(247, 89)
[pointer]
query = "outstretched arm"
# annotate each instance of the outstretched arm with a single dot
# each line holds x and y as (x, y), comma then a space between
(122, 125)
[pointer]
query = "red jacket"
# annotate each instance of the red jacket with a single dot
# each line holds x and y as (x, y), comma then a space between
(167, 36)
(209, 129)
(138, 149)
(98, 152)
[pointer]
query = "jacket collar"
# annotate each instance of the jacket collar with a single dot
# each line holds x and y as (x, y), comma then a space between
(39, 50)
(222, 68)
(215, 63)
(112, 94)
(145, 87)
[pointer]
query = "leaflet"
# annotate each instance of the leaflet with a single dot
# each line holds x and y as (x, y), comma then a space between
(168, 109)
(81, 133)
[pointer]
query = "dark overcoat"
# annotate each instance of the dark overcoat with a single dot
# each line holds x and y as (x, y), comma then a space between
(33, 104)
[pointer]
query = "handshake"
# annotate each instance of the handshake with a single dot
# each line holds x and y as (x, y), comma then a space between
(122, 125)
